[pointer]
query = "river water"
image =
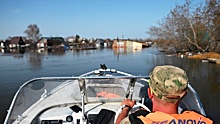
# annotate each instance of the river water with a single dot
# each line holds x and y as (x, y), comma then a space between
(16, 68)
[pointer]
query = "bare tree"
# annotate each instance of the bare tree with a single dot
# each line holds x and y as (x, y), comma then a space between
(186, 21)
(211, 20)
(33, 32)
(191, 26)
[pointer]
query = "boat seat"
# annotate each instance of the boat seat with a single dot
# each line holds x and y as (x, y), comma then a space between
(105, 116)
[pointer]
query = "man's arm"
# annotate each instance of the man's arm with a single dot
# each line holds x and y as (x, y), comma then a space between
(122, 115)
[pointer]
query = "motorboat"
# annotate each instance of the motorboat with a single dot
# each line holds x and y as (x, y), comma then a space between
(91, 98)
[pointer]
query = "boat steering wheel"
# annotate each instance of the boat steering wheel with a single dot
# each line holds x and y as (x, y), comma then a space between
(135, 107)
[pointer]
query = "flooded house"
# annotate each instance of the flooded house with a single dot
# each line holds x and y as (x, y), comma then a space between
(52, 42)
(100, 43)
(126, 46)
(16, 42)
(41, 43)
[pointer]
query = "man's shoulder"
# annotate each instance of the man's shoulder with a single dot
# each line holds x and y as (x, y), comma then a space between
(191, 112)
(195, 115)
(156, 115)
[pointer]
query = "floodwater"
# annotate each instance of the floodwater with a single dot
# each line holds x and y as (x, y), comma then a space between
(17, 67)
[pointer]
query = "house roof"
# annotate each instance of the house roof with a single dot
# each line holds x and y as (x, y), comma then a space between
(15, 40)
(43, 38)
(56, 38)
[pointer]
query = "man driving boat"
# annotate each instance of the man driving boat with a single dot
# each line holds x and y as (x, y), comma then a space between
(168, 85)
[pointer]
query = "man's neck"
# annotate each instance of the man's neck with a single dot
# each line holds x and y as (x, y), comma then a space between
(168, 108)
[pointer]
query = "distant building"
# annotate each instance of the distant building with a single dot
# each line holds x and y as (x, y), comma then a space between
(55, 42)
(28, 43)
(42, 42)
(109, 42)
(117, 43)
(127, 45)
(16, 42)
(100, 43)
(91, 41)
(51, 42)
(2, 44)
(70, 40)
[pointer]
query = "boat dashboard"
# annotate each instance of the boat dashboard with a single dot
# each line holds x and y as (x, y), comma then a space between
(73, 114)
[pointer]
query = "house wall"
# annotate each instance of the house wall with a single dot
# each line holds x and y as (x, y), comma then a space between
(119, 44)
(13, 45)
(129, 44)
(70, 40)
(114, 45)
(42, 43)
(137, 46)
(2, 45)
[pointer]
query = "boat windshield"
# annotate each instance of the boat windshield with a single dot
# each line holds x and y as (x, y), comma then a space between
(44, 93)
(41, 94)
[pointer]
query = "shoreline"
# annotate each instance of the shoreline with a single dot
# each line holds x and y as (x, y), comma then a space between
(211, 57)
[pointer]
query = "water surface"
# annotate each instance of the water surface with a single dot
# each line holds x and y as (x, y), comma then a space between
(16, 68)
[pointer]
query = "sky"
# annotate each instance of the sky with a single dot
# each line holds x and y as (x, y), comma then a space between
(86, 18)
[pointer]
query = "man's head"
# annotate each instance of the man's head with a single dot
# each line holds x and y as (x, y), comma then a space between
(168, 83)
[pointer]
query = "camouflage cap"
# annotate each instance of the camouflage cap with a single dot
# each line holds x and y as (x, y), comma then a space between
(168, 82)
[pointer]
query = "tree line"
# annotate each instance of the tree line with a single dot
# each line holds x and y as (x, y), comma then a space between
(192, 27)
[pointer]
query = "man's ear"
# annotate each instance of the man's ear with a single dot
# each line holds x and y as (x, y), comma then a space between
(150, 93)
(184, 95)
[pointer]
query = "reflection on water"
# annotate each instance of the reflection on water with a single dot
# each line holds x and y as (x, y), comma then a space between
(126, 50)
(35, 59)
(16, 68)
(34, 56)
(13, 51)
